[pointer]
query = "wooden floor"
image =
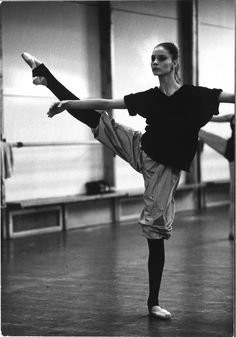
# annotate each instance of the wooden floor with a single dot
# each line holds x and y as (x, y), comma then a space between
(94, 282)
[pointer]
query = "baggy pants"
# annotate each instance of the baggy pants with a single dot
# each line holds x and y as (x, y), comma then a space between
(160, 181)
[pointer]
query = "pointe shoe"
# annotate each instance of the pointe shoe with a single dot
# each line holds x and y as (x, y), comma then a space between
(159, 313)
(34, 63)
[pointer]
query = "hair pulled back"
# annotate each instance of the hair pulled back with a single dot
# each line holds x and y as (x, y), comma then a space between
(174, 52)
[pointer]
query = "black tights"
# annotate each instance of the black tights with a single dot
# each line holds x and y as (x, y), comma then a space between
(156, 262)
(91, 118)
(88, 117)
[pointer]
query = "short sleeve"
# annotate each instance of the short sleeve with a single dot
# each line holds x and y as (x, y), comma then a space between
(207, 101)
(138, 103)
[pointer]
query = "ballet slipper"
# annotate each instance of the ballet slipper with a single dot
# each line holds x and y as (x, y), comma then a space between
(34, 63)
(30, 60)
(159, 313)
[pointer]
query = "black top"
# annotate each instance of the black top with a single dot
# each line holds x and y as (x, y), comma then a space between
(173, 122)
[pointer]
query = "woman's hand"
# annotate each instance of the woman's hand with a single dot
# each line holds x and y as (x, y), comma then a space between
(56, 108)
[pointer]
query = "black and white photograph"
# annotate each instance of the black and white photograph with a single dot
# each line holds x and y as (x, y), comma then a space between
(117, 124)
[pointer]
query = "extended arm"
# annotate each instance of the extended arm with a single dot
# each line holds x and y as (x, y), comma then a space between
(86, 104)
(226, 97)
(222, 119)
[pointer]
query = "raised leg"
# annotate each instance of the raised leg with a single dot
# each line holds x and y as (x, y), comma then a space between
(214, 141)
(42, 75)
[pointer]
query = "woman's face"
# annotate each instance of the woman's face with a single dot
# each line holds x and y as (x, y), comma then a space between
(161, 62)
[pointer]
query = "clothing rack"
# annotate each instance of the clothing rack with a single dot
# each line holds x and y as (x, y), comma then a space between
(47, 144)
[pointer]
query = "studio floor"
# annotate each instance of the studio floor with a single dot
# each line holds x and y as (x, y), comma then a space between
(94, 282)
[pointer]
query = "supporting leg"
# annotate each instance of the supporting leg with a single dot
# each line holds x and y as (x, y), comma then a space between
(156, 262)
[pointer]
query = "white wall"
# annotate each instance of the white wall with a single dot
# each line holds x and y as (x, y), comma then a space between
(216, 70)
(65, 37)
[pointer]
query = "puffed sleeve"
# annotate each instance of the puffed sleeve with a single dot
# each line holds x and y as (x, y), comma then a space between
(138, 103)
(207, 103)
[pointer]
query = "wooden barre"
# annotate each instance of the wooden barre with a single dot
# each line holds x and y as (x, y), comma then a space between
(42, 144)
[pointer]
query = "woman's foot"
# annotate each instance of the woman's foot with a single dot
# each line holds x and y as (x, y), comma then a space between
(30, 60)
(34, 63)
(159, 313)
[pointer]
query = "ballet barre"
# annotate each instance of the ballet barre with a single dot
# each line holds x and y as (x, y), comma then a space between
(47, 144)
